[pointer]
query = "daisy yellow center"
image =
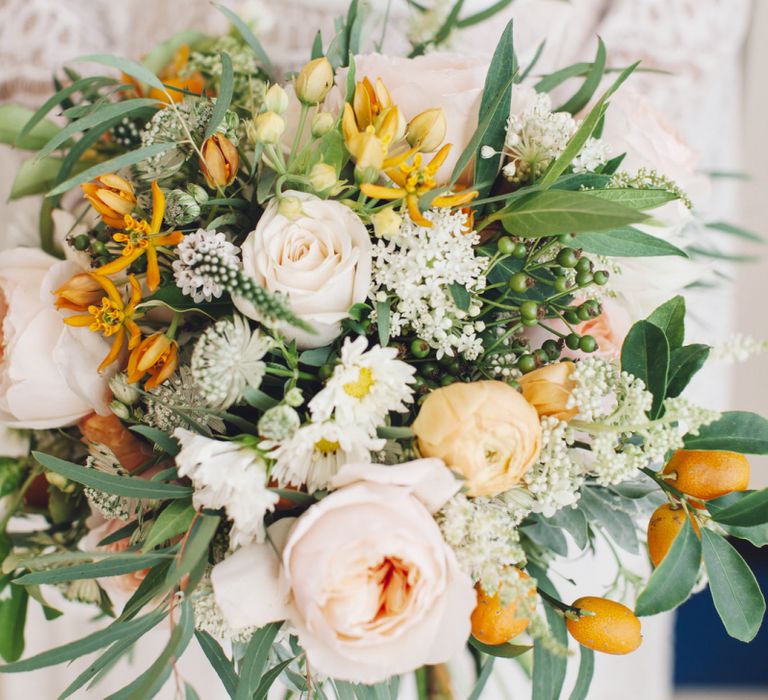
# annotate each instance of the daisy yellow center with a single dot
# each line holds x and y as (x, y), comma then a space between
(327, 446)
(360, 388)
(107, 318)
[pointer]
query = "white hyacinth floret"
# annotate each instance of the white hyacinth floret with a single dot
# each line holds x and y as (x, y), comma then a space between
(206, 265)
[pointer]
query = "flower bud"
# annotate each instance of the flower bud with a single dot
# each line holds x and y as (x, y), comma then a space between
(290, 208)
(322, 123)
(220, 161)
(294, 397)
(268, 127)
(120, 410)
(78, 293)
(322, 177)
(279, 422)
(60, 482)
(157, 355)
(199, 193)
(112, 196)
(314, 81)
(124, 392)
(181, 208)
(276, 99)
(367, 150)
(386, 223)
(426, 131)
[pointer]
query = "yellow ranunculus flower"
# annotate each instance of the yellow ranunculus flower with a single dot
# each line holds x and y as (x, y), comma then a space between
(485, 430)
(548, 389)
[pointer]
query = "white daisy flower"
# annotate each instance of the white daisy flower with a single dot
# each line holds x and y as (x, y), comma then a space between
(365, 386)
(314, 453)
(230, 476)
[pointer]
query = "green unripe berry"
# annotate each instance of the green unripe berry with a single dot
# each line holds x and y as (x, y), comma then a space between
(519, 251)
(572, 341)
(529, 309)
(505, 245)
(565, 238)
(99, 248)
(584, 278)
(587, 343)
(447, 379)
(530, 322)
(420, 348)
(567, 258)
(518, 282)
(541, 358)
(584, 265)
(526, 364)
(560, 284)
(82, 242)
(584, 313)
(571, 315)
(552, 348)
(455, 368)
(601, 277)
(104, 235)
(431, 370)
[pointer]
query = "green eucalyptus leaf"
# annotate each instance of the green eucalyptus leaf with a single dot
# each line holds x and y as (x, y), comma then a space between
(13, 119)
(173, 520)
(604, 514)
(625, 242)
(548, 667)
(482, 679)
(586, 672)
(224, 98)
(255, 661)
(135, 70)
(249, 39)
(584, 94)
(165, 442)
(112, 566)
(737, 431)
(218, 659)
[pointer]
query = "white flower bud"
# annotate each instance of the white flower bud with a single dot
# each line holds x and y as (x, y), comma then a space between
(290, 208)
(386, 223)
(322, 123)
(294, 397)
(268, 127)
(199, 193)
(487, 152)
(322, 177)
(120, 410)
(314, 81)
(123, 391)
(276, 99)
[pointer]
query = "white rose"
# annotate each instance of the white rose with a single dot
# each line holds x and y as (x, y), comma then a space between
(321, 261)
(48, 371)
(364, 577)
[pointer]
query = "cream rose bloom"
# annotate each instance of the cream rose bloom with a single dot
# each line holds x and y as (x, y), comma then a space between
(321, 261)
(364, 576)
(485, 430)
(48, 371)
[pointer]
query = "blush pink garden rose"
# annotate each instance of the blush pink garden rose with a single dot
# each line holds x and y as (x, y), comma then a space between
(364, 576)
(320, 260)
(48, 371)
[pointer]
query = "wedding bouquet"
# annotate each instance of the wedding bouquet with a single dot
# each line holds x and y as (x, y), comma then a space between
(323, 371)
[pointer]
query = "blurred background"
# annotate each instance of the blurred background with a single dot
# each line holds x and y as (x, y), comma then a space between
(716, 96)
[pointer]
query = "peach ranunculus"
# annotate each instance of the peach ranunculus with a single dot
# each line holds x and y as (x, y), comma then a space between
(48, 371)
(364, 576)
(548, 389)
(484, 430)
(320, 260)
(436, 80)
(109, 430)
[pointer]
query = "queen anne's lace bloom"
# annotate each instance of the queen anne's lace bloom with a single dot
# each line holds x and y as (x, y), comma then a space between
(415, 270)
(207, 263)
(230, 476)
(365, 386)
(228, 358)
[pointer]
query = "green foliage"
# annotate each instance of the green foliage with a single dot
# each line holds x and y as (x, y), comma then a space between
(548, 667)
(11, 475)
(218, 659)
(584, 94)
(13, 119)
(502, 651)
(574, 522)
(671, 583)
(224, 98)
(737, 431)
(746, 509)
(482, 679)
(586, 671)
(608, 515)
(735, 591)
(684, 363)
(173, 520)
(13, 615)
(645, 354)
(163, 441)
(255, 661)
(670, 318)
(636, 198)
(625, 242)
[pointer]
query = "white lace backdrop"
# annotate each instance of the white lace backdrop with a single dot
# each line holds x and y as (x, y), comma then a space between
(699, 42)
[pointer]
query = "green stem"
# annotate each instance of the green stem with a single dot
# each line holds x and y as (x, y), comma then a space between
(299, 131)
(19, 497)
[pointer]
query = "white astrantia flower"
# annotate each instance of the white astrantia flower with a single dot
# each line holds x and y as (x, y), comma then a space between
(230, 476)
(415, 270)
(365, 386)
(228, 358)
(314, 453)
(206, 262)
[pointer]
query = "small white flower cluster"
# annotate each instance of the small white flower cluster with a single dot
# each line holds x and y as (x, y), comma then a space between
(208, 617)
(228, 358)
(739, 348)
(415, 270)
(554, 481)
(612, 411)
(538, 135)
(483, 535)
(364, 388)
(206, 262)
(231, 476)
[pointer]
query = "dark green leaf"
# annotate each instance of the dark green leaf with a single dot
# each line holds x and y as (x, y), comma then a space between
(258, 399)
(552, 80)
(636, 198)
(13, 616)
(382, 322)
(616, 523)
(735, 591)
(118, 485)
(584, 94)
(195, 549)
(670, 318)
(255, 661)
(174, 520)
(748, 510)
(482, 679)
(548, 667)
(316, 357)
(460, 295)
(249, 39)
(645, 354)
(224, 98)
(625, 242)
(269, 678)
(586, 671)
(684, 363)
(737, 431)
(503, 65)
(111, 566)
(671, 583)
(86, 645)
(502, 651)
(218, 659)
(111, 165)
(165, 442)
